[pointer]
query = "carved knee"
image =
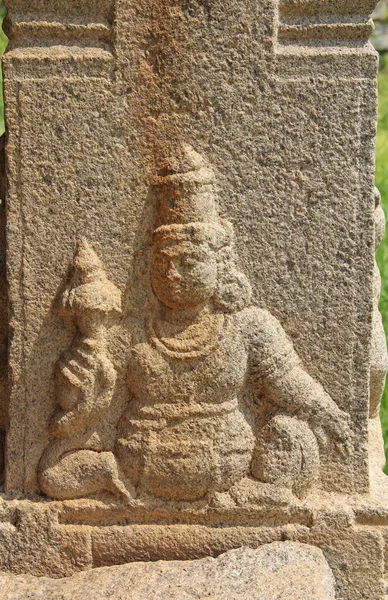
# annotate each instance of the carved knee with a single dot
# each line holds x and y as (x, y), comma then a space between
(78, 474)
(286, 454)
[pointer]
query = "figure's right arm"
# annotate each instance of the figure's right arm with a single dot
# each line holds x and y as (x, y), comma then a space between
(84, 386)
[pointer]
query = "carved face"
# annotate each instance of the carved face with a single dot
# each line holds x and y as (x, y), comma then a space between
(183, 274)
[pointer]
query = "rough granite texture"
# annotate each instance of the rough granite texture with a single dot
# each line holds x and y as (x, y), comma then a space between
(281, 571)
(284, 118)
(195, 356)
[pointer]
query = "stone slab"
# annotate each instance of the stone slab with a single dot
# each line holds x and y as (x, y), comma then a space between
(285, 119)
(283, 570)
(191, 224)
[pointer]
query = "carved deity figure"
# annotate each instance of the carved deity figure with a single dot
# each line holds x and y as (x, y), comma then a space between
(217, 394)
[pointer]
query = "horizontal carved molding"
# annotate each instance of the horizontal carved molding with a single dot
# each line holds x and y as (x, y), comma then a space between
(320, 8)
(88, 10)
(40, 25)
(33, 33)
(321, 22)
(338, 34)
(57, 61)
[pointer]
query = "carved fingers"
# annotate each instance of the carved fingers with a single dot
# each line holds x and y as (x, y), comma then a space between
(335, 429)
(64, 424)
(85, 382)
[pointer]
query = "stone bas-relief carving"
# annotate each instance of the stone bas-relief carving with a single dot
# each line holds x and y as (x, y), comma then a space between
(216, 391)
(99, 469)
(74, 463)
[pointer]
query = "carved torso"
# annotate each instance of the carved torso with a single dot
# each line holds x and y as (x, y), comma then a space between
(188, 430)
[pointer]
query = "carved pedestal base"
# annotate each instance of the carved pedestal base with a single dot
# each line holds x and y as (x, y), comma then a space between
(59, 539)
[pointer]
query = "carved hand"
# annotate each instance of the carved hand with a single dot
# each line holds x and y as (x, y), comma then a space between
(300, 394)
(335, 426)
(85, 382)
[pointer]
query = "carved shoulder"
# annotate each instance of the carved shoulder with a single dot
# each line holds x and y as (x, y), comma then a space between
(271, 351)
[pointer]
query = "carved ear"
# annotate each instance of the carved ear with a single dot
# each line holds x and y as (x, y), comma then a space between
(233, 291)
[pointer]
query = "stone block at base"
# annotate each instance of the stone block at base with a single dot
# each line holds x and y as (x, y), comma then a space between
(282, 570)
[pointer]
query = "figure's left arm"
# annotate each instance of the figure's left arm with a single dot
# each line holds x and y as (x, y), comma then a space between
(285, 383)
(300, 395)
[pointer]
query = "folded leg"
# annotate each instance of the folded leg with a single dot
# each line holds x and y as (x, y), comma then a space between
(79, 473)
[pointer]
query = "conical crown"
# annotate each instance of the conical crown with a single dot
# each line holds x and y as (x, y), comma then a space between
(184, 189)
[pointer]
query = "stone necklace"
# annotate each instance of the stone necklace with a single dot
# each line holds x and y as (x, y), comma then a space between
(186, 342)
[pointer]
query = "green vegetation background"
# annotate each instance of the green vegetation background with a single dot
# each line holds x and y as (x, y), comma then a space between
(381, 182)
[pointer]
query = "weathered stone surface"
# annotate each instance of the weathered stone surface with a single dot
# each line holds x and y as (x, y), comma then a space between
(196, 356)
(284, 570)
(272, 153)
(379, 357)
